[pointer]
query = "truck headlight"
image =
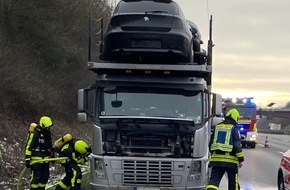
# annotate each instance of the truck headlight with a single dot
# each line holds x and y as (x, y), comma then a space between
(100, 169)
(253, 137)
(195, 171)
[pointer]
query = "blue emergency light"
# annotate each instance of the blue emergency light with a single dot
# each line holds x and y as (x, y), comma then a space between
(252, 101)
(249, 101)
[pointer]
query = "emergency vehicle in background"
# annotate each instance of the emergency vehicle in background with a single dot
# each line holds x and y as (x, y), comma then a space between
(247, 123)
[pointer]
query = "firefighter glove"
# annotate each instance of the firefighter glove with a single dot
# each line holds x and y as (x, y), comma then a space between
(51, 153)
(89, 151)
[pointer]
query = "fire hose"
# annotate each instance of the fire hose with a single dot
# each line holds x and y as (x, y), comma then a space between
(34, 162)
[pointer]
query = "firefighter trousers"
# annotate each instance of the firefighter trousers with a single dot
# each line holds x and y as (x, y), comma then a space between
(217, 174)
(72, 178)
(39, 176)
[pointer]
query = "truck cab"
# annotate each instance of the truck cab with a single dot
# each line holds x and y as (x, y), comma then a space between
(151, 125)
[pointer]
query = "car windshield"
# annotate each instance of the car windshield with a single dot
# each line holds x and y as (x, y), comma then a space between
(147, 7)
(148, 102)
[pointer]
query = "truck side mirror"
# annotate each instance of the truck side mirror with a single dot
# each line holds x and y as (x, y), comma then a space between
(217, 104)
(81, 100)
(83, 104)
(82, 117)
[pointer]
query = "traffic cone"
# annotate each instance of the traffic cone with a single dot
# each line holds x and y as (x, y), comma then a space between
(266, 145)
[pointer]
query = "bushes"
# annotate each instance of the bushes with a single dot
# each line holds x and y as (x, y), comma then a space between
(44, 51)
(43, 54)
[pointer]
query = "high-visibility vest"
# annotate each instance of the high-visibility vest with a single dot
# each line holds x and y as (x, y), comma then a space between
(222, 139)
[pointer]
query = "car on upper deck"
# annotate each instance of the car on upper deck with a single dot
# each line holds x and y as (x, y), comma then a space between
(196, 35)
(148, 31)
(199, 54)
(283, 179)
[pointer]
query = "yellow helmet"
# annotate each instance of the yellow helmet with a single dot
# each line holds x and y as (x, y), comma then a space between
(81, 146)
(234, 114)
(45, 122)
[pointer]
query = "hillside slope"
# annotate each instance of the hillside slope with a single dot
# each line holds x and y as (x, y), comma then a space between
(43, 53)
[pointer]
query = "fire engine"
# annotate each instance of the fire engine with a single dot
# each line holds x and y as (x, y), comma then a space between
(247, 123)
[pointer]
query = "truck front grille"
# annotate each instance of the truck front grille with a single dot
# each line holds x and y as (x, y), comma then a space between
(147, 172)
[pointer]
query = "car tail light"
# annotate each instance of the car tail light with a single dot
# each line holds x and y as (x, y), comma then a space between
(177, 23)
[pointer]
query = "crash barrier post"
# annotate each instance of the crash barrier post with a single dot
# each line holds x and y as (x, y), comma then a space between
(266, 145)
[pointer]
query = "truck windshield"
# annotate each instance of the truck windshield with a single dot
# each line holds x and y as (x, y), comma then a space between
(149, 102)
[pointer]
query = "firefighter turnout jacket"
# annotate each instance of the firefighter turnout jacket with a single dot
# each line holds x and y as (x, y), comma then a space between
(38, 148)
(39, 144)
(225, 145)
(76, 155)
(68, 150)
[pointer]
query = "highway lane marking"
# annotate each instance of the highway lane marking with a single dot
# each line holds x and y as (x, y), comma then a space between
(283, 140)
(281, 152)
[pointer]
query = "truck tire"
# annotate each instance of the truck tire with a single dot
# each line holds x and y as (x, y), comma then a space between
(244, 144)
(281, 183)
(253, 145)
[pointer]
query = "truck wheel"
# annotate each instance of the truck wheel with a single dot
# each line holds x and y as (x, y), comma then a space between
(253, 145)
(281, 183)
(243, 144)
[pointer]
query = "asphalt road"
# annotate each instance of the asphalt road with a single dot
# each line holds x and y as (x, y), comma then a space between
(260, 168)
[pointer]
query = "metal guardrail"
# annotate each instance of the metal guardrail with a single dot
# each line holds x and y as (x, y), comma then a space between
(280, 132)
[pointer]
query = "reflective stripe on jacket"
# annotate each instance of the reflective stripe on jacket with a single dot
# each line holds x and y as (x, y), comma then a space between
(38, 143)
(68, 151)
(225, 145)
(223, 139)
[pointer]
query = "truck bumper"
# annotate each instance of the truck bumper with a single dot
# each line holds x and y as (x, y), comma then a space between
(99, 187)
(251, 144)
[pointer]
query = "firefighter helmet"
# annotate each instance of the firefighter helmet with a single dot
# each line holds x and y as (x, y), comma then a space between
(45, 122)
(234, 114)
(81, 146)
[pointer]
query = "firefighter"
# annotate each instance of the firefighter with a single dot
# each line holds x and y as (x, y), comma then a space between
(76, 151)
(39, 146)
(226, 152)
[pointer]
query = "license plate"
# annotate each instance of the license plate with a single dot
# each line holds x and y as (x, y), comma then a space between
(146, 43)
(147, 188)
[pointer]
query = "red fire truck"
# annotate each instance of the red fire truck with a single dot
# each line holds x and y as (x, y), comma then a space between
(247, 123)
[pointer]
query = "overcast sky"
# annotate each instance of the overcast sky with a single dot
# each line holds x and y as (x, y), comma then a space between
(251, 56)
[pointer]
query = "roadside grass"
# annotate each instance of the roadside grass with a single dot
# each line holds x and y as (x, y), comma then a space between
(13, 135)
